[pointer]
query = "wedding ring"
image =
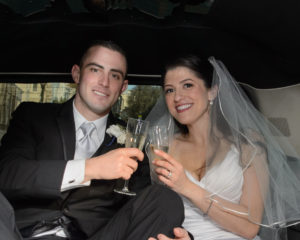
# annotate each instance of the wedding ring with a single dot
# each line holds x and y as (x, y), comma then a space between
(169, 174)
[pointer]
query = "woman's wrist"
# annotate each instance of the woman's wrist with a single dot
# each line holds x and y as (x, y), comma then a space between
(209, 207)
(193, 191)
(187, 189)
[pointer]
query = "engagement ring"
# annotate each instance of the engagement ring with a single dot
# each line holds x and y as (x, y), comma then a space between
(170, 174)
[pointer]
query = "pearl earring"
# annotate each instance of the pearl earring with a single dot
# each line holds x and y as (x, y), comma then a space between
(211, 102)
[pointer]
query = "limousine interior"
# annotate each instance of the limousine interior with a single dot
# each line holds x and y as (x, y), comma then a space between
(257, 40)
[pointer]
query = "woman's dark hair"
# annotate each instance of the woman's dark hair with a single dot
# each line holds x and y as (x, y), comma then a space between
(201, 68)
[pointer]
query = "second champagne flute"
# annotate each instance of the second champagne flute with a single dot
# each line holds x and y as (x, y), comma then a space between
(159, 138)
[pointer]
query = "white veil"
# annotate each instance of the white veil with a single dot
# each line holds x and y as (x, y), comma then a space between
(234, 119)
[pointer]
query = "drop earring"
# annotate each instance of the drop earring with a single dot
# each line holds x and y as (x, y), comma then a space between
(211, 102)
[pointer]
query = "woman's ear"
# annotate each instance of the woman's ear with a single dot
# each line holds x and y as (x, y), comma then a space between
(76, 73)
(213, 92)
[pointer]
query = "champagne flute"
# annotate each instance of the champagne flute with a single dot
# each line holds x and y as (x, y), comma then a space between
(159, 138)
(136, 133)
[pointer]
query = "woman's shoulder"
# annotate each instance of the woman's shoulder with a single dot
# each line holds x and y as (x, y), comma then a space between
(253, 149)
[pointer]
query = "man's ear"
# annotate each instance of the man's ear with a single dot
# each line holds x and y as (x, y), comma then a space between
(124, 86)
(76, 73)
(213, 92)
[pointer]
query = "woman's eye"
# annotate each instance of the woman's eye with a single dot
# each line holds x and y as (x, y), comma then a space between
(169, 90)
(188, 85)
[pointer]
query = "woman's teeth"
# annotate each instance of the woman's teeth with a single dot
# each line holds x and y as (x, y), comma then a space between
(183, 107)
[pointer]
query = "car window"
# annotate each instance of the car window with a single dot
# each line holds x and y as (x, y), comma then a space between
(136, 100)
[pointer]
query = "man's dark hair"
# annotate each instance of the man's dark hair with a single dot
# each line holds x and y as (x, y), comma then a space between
(106, 44)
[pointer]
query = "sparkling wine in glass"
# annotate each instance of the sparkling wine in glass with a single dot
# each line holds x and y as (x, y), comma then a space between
(159, 138)
(136, 133)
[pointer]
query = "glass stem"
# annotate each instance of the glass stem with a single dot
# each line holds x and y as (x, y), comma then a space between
(125, 188)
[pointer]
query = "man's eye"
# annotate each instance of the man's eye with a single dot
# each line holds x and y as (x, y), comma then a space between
(94, 70)
(116, 76)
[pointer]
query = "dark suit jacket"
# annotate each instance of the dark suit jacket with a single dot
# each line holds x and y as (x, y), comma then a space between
(8, 229)
(33, 156)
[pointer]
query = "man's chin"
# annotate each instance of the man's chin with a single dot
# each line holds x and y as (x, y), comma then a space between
(100, 111)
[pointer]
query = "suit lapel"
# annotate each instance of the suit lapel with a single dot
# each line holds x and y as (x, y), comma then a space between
(109, 142)
(66, 125)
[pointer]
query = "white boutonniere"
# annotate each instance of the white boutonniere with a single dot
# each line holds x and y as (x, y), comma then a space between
(117, 131)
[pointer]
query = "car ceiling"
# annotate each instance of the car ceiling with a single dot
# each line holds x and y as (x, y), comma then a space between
(257, 40)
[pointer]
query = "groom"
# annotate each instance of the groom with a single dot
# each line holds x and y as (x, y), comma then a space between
(58, 166)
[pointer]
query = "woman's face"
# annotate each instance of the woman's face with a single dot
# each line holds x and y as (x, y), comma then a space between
(186, 95)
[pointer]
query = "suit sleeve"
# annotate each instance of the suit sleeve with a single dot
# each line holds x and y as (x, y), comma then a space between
(22, 173)
(8, 228)
(141, 177)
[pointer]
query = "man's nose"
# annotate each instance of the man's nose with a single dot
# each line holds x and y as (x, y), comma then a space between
(104, 80)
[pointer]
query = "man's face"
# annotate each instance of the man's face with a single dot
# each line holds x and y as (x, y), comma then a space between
(100, 81)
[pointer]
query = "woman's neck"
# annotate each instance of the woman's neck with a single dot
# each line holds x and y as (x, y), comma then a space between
(199, 131)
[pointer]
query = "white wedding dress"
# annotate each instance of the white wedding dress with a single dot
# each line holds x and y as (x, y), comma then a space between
(228, 174)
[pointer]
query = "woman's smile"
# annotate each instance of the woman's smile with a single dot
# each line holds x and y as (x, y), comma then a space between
(183, 107)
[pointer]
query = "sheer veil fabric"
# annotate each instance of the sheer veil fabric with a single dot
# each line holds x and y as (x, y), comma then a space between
(236, 124)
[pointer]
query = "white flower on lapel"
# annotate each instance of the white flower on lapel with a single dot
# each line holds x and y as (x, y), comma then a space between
(118, 131)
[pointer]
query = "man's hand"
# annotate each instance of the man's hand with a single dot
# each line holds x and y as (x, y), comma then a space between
(118, 163)
(180, 234)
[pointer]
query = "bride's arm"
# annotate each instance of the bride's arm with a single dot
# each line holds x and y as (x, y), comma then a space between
(232, 217)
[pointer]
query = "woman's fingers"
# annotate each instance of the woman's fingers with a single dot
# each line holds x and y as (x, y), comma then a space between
(164, 155)
(167, 173)
(162, 163)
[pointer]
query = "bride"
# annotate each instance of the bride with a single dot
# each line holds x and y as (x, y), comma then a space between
(223, 160)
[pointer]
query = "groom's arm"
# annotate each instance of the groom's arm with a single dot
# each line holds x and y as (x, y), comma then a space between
(141, 177)
(22, 174)
(8, 228)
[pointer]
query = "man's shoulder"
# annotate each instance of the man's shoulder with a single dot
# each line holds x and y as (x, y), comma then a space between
(40, 107)
(38, 111)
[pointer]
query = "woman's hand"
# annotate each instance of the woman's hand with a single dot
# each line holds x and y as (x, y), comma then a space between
(180, 234)
(171, 172)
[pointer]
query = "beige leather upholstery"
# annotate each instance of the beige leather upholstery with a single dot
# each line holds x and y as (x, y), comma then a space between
(281, 106)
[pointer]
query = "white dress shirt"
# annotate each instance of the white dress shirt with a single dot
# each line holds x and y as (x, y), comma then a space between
(74, 172)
